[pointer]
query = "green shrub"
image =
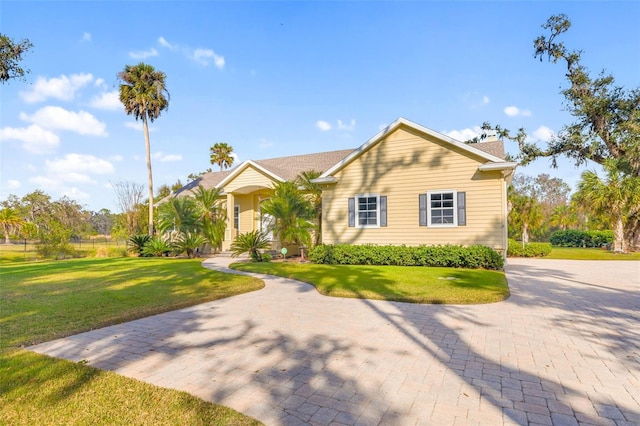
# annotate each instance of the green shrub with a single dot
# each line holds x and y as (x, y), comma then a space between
(157, 246)
(446, 256)
(575, 238)
(137, 242)
(529, 250)
(251, 242)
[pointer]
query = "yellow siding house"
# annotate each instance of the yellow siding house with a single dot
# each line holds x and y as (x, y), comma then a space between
(406, 185)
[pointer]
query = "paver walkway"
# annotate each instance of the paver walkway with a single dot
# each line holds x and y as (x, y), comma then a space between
(564, 349)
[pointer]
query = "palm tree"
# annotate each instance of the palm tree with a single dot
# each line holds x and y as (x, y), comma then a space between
(618, 195)
(10, 221)
(292, 214)
(221, 155)
(525, 212)
(313, 192)
(179, 214)
(211, 214)
(144, 94)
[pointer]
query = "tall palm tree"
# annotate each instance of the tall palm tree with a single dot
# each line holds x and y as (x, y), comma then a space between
(10, 221)
(618, 195)
(143, 92)
(313, 192)
(221, 155)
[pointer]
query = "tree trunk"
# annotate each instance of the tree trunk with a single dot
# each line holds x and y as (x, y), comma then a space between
(7, 240)
(148, 146)
(632, 234)
(619, 245)
(525, 233)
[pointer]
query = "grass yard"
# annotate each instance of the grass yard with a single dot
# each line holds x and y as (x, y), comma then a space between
(40, 301)
(414, 284)
(20, 252)
(572, 253)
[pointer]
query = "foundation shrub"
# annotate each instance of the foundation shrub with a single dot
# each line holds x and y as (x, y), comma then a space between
(453, 256)
(529, 250)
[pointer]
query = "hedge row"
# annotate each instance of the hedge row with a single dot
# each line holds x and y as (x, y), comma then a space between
(444, 256)
(529, 250)
(574, 238)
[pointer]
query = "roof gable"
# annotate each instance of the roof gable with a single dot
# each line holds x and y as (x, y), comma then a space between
(403, 122)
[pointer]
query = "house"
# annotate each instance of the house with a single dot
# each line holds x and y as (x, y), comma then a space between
(406, 185)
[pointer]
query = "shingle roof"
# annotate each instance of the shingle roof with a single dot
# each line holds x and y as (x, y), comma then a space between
(288, 168)
(495, 148)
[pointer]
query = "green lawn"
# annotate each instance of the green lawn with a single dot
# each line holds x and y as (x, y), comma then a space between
(399, 283)
(572, 253)
(40, 301)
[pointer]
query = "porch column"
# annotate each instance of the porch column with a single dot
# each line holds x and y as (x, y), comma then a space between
(229, 234)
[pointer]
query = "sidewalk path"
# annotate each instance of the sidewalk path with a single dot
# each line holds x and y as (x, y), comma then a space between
(564, 349)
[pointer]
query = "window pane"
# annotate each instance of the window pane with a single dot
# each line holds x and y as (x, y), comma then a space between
(442, 208)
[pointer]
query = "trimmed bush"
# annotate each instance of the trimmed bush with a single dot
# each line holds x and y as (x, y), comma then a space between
(530, 249)
(443, 256)
(575, 238)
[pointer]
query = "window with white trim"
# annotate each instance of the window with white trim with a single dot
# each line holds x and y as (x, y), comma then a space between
(368, 211)
(442, 208)
(236, 217)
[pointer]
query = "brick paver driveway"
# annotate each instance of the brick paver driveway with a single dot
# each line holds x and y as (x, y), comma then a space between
(563, 349)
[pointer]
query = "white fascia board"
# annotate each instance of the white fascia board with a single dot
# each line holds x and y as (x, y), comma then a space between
(242, 167)
(503, 165)
(328, 179)
(393, 126)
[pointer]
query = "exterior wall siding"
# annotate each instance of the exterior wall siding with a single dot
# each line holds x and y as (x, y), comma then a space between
(401, 167)
(249, 177)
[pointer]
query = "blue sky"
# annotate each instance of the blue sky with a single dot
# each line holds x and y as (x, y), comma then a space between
(281, 78)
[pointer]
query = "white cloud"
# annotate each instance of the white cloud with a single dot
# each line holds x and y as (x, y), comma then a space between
(106, 100)
(513, 111)
(79, 163)
(464, 134)
(485, 99)
(323, 125)
(165, 158)
(203, 57)
(348, 127)
(86, 36)
(13, 184)
(99, 82)
(72, 169)
(36, 139)
(116, 157)
(543, 133)
(57, 118)
(75, 194)
(143, 54)
(45, 182)
(63, 88)
(164, 43)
